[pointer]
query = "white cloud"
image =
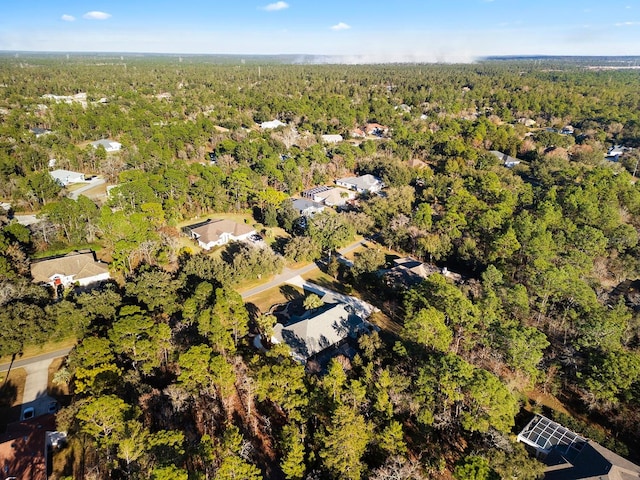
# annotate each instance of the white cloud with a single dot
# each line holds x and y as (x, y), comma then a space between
(274, 7)
(96, 15)
(627, 24)
(68, 18)
(341, 26)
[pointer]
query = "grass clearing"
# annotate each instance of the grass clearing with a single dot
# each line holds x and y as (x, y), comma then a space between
(546, 400)
(281, 294)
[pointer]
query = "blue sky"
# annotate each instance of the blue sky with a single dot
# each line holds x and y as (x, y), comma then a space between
(374, 30)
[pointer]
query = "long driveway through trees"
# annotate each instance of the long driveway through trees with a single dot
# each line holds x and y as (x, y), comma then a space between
(288, 273)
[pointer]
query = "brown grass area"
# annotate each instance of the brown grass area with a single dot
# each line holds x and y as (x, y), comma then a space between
(15, 384)
(282, 294)
(324, 280)
(385, 322)
(547, 400)
(95, 192)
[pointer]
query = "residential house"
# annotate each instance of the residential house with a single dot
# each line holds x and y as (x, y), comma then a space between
(332, 138)
(357, 133)
(307, 208)
(334, 197)
(319, 329)
(23, 449)
(80, 268)
(213, 233)
(362, 184)
(110, 146)
(376, 129)
(272, 124)
(408, 272)
(80, 98)
(569, 456)
(527, 122)
(614, 153)
(39, 132)
(506, 160)
(65, 177)
(312, 192)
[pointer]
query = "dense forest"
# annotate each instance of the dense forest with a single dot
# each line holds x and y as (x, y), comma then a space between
(164, 382)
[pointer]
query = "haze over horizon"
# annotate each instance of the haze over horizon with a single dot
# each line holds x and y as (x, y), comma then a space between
(355, 32)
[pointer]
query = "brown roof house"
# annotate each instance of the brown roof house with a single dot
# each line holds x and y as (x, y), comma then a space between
(80, 268)
(569, 456)
(213, 233)
(376, 129)
(23, 449)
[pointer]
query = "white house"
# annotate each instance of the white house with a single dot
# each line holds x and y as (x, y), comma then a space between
(65, 177)
(213, 233)
(75, 267)
(332, 138)
(272, 124)
(361, 184)
(307, 208)
(110, 146)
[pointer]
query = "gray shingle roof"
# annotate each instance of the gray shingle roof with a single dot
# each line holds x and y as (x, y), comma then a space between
(310, 335)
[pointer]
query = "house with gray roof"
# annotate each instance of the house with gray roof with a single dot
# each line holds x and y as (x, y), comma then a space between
(570, 456)
(66, 177)
(110, 146)
(363, 183)
(307, 208)
(80, 268)
(319, 329)
(506, 160)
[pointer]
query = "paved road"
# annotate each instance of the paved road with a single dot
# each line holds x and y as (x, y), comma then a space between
(24, 362)
(288, 274)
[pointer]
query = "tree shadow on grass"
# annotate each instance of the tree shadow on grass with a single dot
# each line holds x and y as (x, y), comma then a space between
(8, 396)
(290, 293)
(278, 244)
